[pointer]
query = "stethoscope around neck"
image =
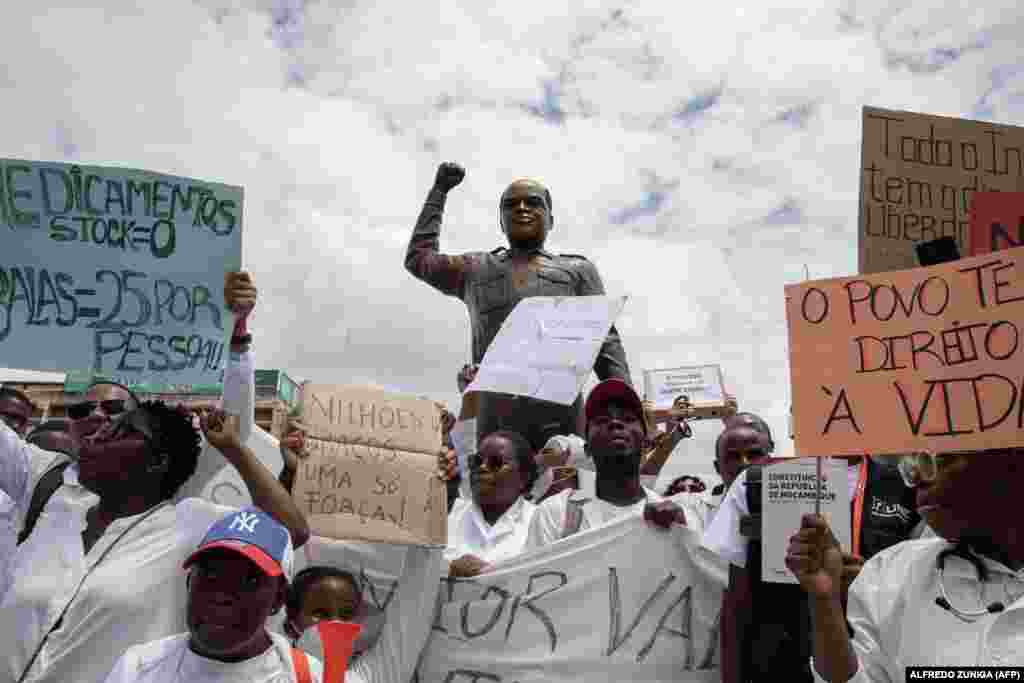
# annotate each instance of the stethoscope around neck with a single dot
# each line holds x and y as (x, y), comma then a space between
(943, 600)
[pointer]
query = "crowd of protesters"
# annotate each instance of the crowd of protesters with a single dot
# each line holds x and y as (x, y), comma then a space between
(113, 569)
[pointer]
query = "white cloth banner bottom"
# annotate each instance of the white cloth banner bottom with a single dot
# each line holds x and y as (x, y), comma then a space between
(623, 602)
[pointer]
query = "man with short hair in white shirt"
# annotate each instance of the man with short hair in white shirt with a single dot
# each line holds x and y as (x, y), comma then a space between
(615, 439)
(932, 602)
(237, 578)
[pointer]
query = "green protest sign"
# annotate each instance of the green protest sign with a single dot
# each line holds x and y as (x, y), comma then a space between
(116, 271)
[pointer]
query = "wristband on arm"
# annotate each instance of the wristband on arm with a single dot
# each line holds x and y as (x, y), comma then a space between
(241, 326)
(240, 334)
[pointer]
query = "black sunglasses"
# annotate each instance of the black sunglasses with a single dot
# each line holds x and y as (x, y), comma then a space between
(81, 410)
(494, 462)
(532, 202)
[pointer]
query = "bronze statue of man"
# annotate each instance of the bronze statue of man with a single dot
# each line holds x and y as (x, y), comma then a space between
(492, 283)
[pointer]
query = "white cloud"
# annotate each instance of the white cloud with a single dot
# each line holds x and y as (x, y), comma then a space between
(744, 121)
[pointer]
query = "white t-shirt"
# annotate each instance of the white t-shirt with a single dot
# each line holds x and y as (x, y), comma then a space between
(470, 534)
(897, 624)
(548, 522)
(705, 504)
(171, 661)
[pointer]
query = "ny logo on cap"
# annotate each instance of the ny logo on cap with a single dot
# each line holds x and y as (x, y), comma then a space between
(244, 521)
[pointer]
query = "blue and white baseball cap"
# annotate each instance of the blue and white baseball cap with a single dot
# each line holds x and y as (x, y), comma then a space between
(254, 534)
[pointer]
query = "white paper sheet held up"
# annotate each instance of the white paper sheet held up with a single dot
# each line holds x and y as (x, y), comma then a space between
(788, 491)
(701, 383)
(547, 346)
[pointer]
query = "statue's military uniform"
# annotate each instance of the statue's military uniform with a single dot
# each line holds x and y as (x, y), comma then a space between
(490, 288)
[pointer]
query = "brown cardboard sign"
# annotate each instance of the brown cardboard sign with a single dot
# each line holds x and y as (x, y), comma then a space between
(375, 417)
(371, 469)
(355, 492)
(918, 175)
(927, 359)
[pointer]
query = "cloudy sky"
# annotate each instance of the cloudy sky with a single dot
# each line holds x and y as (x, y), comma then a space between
(702, 161)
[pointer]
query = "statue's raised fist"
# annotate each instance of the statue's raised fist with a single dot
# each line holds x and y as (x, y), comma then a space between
(449, 174)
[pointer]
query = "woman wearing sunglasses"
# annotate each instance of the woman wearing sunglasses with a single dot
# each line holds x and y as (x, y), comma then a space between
(101, 570)
(491, 525)
(953, 600)
(106, 401)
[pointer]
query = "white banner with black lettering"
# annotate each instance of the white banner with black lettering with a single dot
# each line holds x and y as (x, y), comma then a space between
(623, 602)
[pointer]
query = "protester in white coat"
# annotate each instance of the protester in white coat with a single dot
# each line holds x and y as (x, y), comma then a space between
(491, 525)
(933, 602)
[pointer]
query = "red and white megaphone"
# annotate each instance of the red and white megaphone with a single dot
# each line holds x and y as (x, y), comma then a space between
(331, 642)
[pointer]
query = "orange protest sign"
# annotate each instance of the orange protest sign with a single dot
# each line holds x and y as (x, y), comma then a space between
(997, 221)
(911, 360)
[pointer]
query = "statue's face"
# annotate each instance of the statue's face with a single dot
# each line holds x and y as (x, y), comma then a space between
(525, 213)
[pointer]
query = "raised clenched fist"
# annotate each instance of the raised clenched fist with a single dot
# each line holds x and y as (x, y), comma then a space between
(466, 376)
(222, 431)
(239, 292)
(449, 174)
